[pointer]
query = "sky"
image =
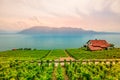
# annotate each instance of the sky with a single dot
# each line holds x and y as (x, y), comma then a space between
(97, 15)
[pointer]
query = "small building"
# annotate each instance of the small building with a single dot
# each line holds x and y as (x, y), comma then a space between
(95, 45)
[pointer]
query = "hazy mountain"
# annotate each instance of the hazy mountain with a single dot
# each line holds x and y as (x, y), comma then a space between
(49, 30)
(62, 30)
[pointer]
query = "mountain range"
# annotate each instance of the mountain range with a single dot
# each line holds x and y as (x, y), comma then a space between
(51, 30)
(62, 30)
(56, 31)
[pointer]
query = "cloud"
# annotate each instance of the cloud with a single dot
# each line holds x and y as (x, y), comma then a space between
(57, 7)
(59, 12)
(115, 7)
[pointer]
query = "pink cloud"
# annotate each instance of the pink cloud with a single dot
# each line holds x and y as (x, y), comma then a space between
(99, 15)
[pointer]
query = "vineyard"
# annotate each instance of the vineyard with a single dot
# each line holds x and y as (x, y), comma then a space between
(55, 54)
(80, 53)
(46, 65)
(20, 70)
(23, 55)
(83, 53)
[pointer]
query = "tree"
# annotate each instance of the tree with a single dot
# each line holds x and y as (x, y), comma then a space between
(112, 45)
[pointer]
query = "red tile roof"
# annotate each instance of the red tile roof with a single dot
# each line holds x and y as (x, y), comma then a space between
(98, 44)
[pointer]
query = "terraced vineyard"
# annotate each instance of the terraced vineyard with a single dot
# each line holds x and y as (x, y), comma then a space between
(17, 70)
(78, 71)
(45, 65)
(23, 55)
(83, 53)
(56, 54)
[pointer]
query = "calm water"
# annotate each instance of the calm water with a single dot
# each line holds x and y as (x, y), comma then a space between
(9, 41)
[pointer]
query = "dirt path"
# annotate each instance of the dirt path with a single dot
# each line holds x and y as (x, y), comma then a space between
(65, 76)
(54, 75)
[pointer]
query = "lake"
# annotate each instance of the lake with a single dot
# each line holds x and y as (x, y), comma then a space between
(10, 41)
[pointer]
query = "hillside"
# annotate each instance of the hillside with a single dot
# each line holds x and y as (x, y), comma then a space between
(50, 64)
